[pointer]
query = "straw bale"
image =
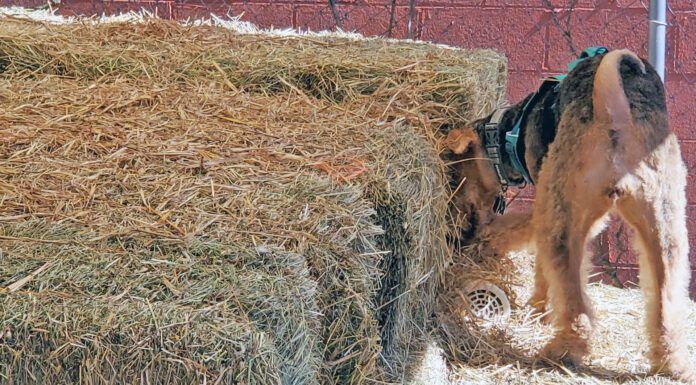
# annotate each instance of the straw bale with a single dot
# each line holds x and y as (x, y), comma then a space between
(185, 203)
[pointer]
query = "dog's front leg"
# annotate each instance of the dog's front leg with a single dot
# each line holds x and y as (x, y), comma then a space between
(513, 231)
(509, 232)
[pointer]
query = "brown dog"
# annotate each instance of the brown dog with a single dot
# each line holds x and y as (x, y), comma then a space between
(605, 148)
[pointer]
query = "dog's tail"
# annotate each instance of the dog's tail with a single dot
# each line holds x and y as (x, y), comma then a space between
(609, 100)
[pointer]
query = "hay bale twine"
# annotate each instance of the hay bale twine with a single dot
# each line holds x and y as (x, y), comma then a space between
(185, 203)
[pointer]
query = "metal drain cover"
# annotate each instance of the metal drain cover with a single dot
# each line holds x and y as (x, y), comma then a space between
(487, 301)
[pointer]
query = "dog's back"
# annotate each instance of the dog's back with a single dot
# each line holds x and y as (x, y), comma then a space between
(639, 82)
(618, 90)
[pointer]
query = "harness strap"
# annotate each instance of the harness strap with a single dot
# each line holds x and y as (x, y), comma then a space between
(516, 147)
(585, 54)
(492, 143)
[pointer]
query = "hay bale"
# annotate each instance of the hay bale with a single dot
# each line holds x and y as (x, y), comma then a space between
(448, 85)
(186, 203)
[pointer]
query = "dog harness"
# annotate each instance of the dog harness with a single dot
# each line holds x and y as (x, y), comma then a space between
(513, 145)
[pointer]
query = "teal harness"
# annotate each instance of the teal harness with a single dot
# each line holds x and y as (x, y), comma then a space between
(514, 139)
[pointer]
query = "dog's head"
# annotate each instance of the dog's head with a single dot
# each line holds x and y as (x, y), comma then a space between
(466, 144)
(476, 181)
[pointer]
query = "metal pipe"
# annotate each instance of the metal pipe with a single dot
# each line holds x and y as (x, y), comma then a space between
(657, 20)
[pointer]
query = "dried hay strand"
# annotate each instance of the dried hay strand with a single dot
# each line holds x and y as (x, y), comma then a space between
(186, 204)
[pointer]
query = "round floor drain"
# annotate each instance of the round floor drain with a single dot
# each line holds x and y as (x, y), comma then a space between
(487, 301)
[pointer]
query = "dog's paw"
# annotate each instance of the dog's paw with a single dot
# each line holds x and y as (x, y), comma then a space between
(680, 369)
(673, 358)
(687, 375)
(569, 349)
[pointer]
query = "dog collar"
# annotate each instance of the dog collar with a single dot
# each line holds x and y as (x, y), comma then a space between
(511, 145)
(514, 139)
(494, 147)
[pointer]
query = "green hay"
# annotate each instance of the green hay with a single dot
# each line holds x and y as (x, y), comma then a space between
(186, 204)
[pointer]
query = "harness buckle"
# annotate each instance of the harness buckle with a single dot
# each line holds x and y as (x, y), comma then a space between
(492, 135)
(499, 204)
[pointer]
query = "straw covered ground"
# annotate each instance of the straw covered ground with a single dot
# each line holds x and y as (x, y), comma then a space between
(507, 352)
(188, 204)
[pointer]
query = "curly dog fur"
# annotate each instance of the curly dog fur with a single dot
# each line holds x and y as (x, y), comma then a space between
(609, 149)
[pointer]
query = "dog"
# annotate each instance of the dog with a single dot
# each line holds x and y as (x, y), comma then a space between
(599, 143)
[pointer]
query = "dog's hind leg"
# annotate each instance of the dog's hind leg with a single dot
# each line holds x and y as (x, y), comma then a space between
(566, 210)
(561, 255)
(654, 205)
(539, 300)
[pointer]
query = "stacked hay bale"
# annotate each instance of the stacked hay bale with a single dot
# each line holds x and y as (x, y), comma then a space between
(185, 204)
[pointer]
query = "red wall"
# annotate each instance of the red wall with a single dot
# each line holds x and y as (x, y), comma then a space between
(529, 32)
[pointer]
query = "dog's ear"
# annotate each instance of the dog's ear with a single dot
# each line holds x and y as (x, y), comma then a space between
(461, 141)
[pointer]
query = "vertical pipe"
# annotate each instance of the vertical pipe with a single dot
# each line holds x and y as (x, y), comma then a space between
(336, 15)
(656, 36)
(411, 18)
